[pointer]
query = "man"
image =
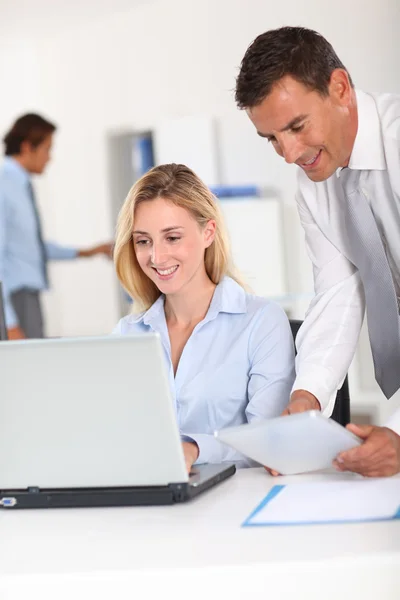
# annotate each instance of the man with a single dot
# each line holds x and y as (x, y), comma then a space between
(23, 253)
(301, 98)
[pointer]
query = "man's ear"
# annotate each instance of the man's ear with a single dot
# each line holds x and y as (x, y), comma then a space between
(25, 148)
(340, 87)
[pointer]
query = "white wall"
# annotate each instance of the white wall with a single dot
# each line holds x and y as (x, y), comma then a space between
(136, 67)
(18, 76)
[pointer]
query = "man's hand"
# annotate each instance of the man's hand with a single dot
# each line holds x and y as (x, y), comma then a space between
(15, 333)
(191, 452)
(378, 456)
(300, 401)
(106, 249)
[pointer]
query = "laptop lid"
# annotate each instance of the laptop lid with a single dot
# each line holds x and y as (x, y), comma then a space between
(87, 412)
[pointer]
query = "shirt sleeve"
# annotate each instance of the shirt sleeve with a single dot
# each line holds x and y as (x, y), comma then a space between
(213, 451)
(271, 376)
(117, 329)
(327, 340)
(10, 315)
(58, 252)
(272, 372)
(394, 421)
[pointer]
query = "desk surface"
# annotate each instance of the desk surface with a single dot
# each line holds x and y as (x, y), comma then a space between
(119, 552)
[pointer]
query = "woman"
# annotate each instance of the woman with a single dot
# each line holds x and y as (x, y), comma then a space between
(230, 354)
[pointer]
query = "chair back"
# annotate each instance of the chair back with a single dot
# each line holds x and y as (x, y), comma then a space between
(341, 411)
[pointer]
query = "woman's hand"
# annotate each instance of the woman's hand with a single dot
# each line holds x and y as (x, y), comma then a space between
(191, 452)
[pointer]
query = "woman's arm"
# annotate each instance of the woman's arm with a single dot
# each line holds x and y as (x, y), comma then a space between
(271, 375)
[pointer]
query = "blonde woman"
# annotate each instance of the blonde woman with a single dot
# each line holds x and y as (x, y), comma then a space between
(229, 354)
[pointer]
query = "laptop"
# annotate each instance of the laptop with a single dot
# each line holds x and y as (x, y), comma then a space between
(91, 422)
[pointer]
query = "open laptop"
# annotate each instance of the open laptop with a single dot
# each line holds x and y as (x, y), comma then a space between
(90, 422)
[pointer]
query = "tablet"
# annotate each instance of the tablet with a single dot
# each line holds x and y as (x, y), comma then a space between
(292, 444)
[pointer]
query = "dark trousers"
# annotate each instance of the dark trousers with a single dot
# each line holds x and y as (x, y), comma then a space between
(26, 304)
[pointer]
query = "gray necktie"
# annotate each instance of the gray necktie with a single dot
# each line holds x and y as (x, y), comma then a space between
(370, 258)
(39, 233)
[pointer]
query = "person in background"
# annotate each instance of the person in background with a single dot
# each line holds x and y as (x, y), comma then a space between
(346, 144)
(229, 354)
(23, 252)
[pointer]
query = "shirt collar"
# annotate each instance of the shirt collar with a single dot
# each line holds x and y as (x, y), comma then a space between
(229, 297)
(368, 151)
(152, 314)
(12, 166)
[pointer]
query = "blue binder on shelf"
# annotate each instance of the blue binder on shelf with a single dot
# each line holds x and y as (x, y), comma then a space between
(235, 191)
(143, 154)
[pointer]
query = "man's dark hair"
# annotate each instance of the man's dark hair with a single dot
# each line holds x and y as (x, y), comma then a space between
(301, 53)
(30, 128)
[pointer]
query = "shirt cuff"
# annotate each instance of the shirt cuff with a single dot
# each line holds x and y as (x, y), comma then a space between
(57, 252)
(322, 392)
(213, 451)
(210, 449)
(71, 253)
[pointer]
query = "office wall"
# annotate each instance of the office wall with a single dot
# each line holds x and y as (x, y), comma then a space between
(133, 68)
(164, 59)
(19, 85)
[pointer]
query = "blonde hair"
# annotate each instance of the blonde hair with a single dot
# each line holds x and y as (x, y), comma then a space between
(180, 185)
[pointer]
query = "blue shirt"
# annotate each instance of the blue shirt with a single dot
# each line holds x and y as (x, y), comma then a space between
(238, 365)
(20, 253)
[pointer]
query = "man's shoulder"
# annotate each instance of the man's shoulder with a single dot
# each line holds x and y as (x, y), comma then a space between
(8, 179)
(388, 107)
(5, 185)
(4, 175)
(387, 103)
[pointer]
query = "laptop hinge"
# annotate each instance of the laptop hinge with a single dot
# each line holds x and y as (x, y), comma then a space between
(179, 491)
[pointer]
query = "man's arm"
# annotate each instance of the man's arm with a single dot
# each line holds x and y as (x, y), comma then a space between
(59, 252)
(379, 455)
(106, 249)
(327, 340)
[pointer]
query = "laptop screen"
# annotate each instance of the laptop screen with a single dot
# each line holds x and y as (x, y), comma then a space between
(3, 327)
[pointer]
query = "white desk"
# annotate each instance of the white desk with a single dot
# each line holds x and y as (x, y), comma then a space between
(195, 550)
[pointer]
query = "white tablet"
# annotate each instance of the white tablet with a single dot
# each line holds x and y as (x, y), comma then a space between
(292, 444)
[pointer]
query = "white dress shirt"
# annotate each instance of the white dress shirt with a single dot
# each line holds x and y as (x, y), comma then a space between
(328, 338)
